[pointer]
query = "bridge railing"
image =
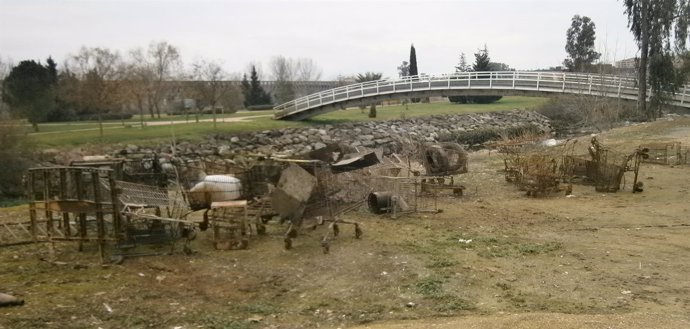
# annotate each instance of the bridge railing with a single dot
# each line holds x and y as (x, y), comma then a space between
(557, 82)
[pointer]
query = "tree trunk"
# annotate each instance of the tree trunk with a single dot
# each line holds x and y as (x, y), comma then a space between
(642, 69)
(150, 106)
(100, 124)
(214, 117)
(372, 111)
(158, 110)
(141, 113)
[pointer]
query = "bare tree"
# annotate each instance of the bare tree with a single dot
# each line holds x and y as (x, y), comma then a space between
(282, 70)
(99, 75)
(165, 61)
(209, 89)
(137, 83)
(232, 98)
(291, 77)
(305, 70)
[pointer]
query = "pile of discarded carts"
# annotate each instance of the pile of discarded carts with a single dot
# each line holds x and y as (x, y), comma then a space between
(540, 171)
(103, 204)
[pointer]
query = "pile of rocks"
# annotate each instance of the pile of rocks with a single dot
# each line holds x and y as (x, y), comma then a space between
(387, 135)
(383, 134)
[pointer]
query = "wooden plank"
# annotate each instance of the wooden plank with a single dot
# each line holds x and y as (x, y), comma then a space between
(24, 228)
(223, 204)
(10, 230)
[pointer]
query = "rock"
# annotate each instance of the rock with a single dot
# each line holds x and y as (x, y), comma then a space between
(224, 150)
(9, 300)
(255, 319)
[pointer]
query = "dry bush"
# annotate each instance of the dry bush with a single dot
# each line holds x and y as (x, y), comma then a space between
(575, 112)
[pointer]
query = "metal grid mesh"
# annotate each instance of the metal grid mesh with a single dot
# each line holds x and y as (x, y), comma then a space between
(140, 194)
(666, 153)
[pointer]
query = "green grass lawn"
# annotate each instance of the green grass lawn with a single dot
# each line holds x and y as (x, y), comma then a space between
(72, 134)
(154, 134)
(134, 121)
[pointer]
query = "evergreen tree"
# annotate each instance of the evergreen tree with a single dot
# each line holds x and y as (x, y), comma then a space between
(29, 91)
(580, 44)
(61, 111)
(257, 94)
(651, 22)
(413, 61)
(462, 64)
(482, 63)
(413, 68)
(461, 67)
(52, 70)
(245, 87)
(404, 69)
(481, 60)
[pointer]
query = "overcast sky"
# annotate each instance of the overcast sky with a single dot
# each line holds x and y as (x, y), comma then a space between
(342, 37)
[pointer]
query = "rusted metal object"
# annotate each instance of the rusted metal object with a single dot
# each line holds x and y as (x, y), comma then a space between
(610, 166)
(671, 154)
(535, 169)
(535, 174)
(444, 159)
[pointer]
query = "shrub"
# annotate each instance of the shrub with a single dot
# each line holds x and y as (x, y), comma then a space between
(106, 116)
(260, 107)
(15, 160)
(480, 136)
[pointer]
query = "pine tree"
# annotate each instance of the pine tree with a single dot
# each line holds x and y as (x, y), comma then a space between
(60, 111)
(245, 88)
(481, 60)
(461, 67)
(257, 94)
(482, 63)
(462, 64)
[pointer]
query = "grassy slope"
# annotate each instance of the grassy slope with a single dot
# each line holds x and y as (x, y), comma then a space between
(81, 133)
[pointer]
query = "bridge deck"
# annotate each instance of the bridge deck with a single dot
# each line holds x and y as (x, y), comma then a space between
(465, 83)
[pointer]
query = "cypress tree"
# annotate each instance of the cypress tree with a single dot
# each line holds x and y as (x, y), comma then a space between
(413, 61)
(413, 68)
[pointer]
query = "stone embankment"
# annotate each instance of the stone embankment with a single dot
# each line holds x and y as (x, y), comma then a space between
(387, 135)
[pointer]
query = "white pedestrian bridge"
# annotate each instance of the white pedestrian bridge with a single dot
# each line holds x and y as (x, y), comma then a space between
(525, 83)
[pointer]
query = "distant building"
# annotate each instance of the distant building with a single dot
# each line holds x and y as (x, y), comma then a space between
(627, 64)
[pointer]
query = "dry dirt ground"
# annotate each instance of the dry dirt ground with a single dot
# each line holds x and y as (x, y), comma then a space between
(614, 260)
